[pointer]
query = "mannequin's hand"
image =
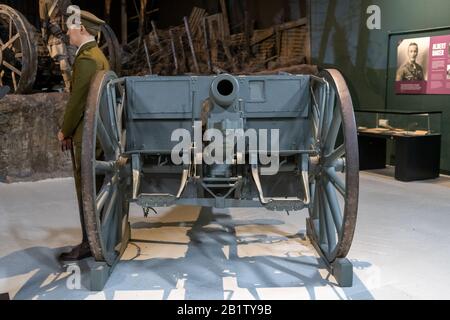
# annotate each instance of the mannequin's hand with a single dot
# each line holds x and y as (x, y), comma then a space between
(60, 136)
(66, 145)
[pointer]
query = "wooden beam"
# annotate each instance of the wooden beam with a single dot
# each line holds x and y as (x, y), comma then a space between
(155, 34)
(147, 55)
(142, 15)
(174, 51)
(124, 21)
(183, 55)
(226, 22)
(108, 11)
(248, 28)
(305, 12)
(206, 39)
(191, 44)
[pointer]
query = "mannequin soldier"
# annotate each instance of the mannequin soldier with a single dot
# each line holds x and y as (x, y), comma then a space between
(89, 59)
(52, 13)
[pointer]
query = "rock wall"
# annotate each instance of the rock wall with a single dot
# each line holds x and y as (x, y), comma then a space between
(29, 149)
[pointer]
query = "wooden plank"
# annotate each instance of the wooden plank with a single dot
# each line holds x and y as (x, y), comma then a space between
(191, 45)
(147, 56)
(155, 33)
(206, 39)
(293, 24)
(262, 35)
(195, 20)
(183, 55)
(226, 22)
(174, 51)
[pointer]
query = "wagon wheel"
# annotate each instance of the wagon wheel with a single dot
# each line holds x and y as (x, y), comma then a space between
(108, 43)
(334, 196)
(18, 55)
(104, 181)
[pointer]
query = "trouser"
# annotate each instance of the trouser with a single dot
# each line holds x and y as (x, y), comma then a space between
(59, 53)
(78, 186)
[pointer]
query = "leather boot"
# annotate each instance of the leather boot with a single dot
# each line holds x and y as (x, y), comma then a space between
(78, 252)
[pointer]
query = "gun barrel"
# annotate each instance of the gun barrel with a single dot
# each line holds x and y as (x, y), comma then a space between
(225, 90)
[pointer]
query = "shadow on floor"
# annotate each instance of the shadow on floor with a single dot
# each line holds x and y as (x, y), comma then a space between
(215, 263)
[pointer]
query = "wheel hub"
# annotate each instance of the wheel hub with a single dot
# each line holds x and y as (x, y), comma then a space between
(122, 161)
(315, 165)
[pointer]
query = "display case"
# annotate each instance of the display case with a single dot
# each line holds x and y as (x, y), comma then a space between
(397, 122)
(416, 137)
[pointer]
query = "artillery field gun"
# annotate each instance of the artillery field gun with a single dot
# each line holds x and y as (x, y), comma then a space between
(157, 134)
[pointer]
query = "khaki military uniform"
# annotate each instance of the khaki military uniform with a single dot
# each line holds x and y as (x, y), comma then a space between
(88, 61)
(410, 71)
(52, 14)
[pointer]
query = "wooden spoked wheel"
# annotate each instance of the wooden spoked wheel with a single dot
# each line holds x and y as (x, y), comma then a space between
(108, 43)
(334, 171)
(105, 183)
(18, 54)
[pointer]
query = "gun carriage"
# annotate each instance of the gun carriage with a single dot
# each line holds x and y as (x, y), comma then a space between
(134, 120)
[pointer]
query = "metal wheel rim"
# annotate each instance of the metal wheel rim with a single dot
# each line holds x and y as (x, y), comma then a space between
(105, 211)
(327, 186)
(17, 42)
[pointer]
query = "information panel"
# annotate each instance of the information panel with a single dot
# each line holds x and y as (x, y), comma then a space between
(423, 66)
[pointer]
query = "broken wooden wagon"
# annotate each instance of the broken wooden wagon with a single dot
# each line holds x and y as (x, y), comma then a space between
(24, 57)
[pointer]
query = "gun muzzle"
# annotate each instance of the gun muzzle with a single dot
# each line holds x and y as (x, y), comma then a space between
(225, 90)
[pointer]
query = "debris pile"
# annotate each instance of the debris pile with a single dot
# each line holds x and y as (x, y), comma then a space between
(202, 44)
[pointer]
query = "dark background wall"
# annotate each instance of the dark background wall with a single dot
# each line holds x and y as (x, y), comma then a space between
(341, 39)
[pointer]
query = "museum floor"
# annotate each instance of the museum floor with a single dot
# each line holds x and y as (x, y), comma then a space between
(401, 248)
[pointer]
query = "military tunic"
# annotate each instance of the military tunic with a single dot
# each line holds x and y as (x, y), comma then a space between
(89, 60)
(410, 71)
